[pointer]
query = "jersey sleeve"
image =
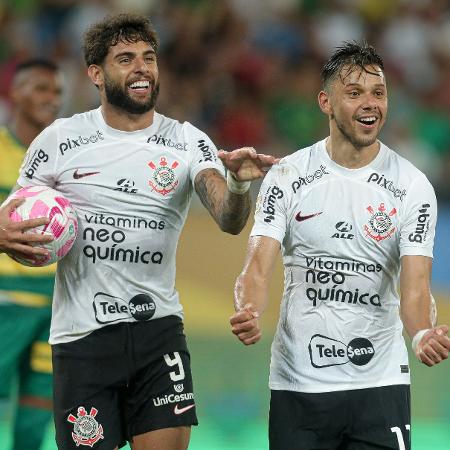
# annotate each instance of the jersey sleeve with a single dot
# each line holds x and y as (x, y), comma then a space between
(270, 210)
(419, 220)
(38, 167)
(204, 152)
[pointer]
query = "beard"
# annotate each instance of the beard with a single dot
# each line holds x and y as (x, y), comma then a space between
(117, 96)
(357, 141)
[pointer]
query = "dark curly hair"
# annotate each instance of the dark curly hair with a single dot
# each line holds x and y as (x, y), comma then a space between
(352, 55)
(102, 35)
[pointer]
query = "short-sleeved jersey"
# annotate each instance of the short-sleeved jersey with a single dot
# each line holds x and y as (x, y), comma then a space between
(343, 233)
(131, 191)
(27, 286)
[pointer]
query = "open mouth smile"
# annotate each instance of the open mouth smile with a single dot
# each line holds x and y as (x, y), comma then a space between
(367, 122)
(140, 87)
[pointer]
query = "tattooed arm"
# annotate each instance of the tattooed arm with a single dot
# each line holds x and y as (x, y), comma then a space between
(230, 211)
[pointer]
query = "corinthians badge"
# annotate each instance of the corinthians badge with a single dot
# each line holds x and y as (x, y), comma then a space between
(163, 178)
(86, 430)
(380, 225)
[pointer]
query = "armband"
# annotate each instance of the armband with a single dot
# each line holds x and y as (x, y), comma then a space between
(417, 337)
(235, 186)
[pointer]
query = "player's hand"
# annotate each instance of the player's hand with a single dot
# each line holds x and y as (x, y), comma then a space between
(244, 324)
(14, 240)
(434, 346)
(246, 164)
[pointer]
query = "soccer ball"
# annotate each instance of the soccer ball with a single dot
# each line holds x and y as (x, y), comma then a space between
(42, 201)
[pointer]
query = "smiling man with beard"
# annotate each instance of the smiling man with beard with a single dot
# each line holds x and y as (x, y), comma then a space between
(121, 363)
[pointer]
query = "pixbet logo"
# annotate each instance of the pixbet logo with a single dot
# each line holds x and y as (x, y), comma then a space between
(309, 178)
(71, 143)
(387, 184)
(166, 142)
(326, 352)
(422, 225)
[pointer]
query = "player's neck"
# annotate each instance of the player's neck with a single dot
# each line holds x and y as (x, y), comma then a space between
(123, 121)
(24, 131)
(345, 154)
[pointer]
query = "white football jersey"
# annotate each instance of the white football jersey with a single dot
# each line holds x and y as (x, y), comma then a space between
(342, 233)
(131, 191)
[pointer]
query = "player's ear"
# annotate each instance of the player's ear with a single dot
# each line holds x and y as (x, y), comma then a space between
(324, 102)
(96, 74)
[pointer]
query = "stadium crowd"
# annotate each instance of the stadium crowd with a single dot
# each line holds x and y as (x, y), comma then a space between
(245, 71)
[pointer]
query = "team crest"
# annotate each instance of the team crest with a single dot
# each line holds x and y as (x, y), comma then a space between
(86, 430)
(163, 178)
(380, 224)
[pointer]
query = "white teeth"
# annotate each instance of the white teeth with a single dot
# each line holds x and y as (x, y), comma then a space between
(140, 84)
(367, 119)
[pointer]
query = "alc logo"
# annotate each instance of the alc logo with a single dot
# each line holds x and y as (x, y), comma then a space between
(343, 231)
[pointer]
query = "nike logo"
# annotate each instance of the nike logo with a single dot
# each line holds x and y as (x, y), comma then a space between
(300, 218)
(77, 175)
(178, 410)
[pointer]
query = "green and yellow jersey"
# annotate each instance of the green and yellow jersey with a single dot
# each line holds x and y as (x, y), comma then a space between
(28, 286)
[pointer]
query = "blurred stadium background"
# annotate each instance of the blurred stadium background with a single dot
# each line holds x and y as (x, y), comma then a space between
(247, 72)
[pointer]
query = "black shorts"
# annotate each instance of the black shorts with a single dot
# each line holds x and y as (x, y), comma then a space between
(363, 419)
(121, 381)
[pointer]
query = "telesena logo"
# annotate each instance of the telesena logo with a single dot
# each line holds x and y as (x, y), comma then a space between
(73, 143)
(108, 308)
(327, 352)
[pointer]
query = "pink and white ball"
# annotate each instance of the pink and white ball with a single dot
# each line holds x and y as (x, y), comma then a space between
(42, 201)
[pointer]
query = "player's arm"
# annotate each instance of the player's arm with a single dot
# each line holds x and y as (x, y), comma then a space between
(228, 200)
(431, 343)
(230, 211)
(252, 288)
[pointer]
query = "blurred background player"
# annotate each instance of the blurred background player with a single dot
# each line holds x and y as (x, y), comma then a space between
(25, 293)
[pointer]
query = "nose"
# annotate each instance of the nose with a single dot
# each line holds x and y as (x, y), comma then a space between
(141, 65)
(369, 102)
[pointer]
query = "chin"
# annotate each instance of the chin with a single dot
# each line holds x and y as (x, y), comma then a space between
(366, 142)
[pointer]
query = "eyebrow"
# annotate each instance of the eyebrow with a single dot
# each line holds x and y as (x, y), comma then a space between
(359, 84)
(130, 54)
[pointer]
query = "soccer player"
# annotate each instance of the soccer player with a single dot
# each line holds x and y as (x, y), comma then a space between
(351, 217)
(120, 359)
(26, 293)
